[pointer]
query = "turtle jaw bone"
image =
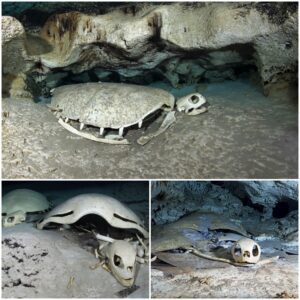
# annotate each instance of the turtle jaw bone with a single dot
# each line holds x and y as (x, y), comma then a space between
(198, 111)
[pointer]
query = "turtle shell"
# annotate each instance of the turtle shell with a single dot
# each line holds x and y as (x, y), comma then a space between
(113, 211)
(193, 229)
(203, 222)
(25, 200)
(110, 105)
(70, 100)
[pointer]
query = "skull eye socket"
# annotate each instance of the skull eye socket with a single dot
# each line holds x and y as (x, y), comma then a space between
(194, 99)
(255, 250)
(10, 219)
(118, 261)
(237, 250)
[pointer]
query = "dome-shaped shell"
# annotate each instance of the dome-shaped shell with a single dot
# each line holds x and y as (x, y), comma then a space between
(113, 211)
(109, 105)
(70, 100)
(24, 200)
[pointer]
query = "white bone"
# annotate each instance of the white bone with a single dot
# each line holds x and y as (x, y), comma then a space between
(90, 136)
(167, 122)
(67, 120)
(81, 126)
(104, 238)
(17, 203)
(140, 260)
(113, 211)
(125, 270)
(140, 124)
(14, 218)
(121, 131)
(142, 243)
(101, 130)
(246, 251)
(191, 103)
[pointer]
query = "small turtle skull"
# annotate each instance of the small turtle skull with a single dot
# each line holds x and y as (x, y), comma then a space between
(120, 258)
(191, 104)
(18, 204)
(14, 218)
(246, 251)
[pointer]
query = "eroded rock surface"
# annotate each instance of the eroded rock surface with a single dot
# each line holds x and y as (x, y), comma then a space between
(272, 204)
(279, 280)
(38, 263)
(183, 43)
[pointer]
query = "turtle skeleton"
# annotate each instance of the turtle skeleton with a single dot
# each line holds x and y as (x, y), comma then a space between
(196, 230)
(23, 205)
(119, 257)
(118, 106)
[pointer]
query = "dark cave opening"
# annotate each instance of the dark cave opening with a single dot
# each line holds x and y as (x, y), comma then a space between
(283, 208)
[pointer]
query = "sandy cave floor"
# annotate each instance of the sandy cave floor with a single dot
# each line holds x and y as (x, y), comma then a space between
(244, 135)
(210, 279)
(54, 264)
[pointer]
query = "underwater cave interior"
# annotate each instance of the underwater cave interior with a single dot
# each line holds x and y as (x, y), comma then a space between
(49, 242)
(197, 228)
(243, 60)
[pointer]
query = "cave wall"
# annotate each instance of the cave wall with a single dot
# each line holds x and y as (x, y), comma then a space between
(184, 43)
(261, 201)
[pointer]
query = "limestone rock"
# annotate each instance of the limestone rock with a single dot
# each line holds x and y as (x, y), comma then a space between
(14, 56)
(185, 43)
(267, 194)
(15, 86)
(252, 199)
(218, 33)
(173, 199)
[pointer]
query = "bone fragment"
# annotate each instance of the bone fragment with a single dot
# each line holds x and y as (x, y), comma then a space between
(167, 122)
(198, 111)
(121, 131)
(104, 238)
(90, 136)
(260, 263)
(81, 126)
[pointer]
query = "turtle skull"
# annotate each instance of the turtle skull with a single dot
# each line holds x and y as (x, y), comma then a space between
(14, 218)
(191, 104)
(246, 251)
(121, 260)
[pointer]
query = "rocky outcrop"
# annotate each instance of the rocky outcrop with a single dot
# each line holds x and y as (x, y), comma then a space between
(13, 45)
(215, 35)
(263, 199)
(185, 42)
(15, 60)
(173, 199)
(273, 198)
